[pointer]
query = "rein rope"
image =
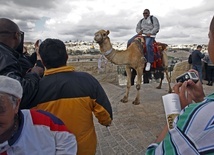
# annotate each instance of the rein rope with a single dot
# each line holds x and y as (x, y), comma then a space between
(110, 53)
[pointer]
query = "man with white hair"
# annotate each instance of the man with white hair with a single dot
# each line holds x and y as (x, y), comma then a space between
(24, 132)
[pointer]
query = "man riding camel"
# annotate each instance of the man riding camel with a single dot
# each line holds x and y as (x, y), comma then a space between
(147, 27)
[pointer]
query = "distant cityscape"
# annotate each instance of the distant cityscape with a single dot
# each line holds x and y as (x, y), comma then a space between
(83, 47)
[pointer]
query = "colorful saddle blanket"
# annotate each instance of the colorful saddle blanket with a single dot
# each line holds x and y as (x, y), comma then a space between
(157, 53)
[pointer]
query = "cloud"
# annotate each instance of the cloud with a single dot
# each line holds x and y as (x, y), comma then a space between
(181, 21)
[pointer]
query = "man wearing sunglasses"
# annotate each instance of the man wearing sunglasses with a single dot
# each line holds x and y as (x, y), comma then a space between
(147, 27)
(10, 40)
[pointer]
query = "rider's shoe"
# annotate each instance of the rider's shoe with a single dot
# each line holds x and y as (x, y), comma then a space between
(148, 66)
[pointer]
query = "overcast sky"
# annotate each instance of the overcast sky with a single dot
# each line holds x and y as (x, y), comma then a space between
(181, 21)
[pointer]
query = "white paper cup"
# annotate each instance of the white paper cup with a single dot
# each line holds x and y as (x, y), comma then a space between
(172, 108)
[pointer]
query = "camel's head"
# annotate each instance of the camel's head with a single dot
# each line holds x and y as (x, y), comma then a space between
(101, 35)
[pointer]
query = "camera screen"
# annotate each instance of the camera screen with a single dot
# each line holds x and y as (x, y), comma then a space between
(193, 74)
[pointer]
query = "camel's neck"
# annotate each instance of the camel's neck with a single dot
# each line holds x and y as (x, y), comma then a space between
(105, 45)
(115, 57)
(111, 54)
(108, 52)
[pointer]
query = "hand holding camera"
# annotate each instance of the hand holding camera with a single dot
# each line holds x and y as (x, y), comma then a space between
(189, 88)
(187, 76)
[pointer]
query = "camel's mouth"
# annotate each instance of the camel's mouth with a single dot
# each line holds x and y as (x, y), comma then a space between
(97, 39)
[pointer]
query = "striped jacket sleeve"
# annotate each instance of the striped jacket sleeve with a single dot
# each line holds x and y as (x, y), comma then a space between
(65, 141)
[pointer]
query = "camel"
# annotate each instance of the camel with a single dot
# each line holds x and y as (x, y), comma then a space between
(132, 57)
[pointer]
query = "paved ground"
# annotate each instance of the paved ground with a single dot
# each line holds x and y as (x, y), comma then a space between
(134, 126)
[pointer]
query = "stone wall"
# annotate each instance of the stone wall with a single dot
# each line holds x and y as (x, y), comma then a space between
(108, 72)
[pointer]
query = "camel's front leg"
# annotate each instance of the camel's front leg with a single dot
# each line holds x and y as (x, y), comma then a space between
(138, 85)
(128, 85)
(161, 81)
(160, 84)
(169, 81)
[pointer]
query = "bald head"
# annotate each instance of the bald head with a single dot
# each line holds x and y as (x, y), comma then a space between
(147, 10)
(9, 33)
(8, 25)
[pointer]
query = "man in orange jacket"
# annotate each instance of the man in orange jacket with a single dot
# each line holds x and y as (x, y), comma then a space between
(72, 96)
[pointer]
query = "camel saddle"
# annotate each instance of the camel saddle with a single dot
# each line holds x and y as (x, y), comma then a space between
(157, 53)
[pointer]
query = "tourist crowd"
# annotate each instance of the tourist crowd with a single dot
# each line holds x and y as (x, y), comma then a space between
(46, 107)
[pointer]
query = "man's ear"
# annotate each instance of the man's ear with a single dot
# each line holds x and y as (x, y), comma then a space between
(16, 36)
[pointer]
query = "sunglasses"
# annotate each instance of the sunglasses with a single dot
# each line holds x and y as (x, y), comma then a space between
(8, 32)
(20, 32)
(145, 13)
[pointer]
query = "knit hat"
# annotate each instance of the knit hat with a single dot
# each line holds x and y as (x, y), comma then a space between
(10, 86)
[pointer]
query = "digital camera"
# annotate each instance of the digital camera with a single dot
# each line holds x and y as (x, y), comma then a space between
(186, 76)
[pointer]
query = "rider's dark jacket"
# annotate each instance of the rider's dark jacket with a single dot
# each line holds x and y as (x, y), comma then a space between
(9, 66)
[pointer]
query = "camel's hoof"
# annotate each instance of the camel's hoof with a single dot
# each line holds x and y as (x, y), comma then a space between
(124, 100)
(138, 87)
(136, 102)
(158, 87)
